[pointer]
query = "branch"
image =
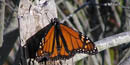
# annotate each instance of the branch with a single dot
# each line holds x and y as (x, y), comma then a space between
(126, 58)
(33, 16)
(8, 45)
(105, 43)
(127, 24)
(126, 61)
(2, 12)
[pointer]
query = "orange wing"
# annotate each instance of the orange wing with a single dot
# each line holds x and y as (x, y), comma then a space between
(76, 42)
(70, 41)
(45, 47)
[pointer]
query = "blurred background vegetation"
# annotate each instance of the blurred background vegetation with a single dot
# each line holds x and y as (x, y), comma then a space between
(95, 21)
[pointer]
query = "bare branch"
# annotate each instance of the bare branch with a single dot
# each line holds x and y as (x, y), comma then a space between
(127, 24)
(126, 61)
(33, 16)
(2, 11)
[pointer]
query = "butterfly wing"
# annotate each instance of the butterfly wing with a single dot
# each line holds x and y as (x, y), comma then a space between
(33, 43)
(76, 42)
(69, 41)
(48, 47)
(47, 43)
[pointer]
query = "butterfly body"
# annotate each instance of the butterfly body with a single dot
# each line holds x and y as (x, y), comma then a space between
(62, 42)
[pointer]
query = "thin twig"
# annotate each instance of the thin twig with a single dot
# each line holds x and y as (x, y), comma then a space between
(126, 61)
(2, 11)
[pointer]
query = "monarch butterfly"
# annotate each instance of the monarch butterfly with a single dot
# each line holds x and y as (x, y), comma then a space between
(58, 41)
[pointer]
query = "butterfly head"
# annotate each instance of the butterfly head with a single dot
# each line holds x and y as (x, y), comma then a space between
(55, 21)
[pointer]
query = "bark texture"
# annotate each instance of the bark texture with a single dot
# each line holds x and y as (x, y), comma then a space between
(34, 15)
